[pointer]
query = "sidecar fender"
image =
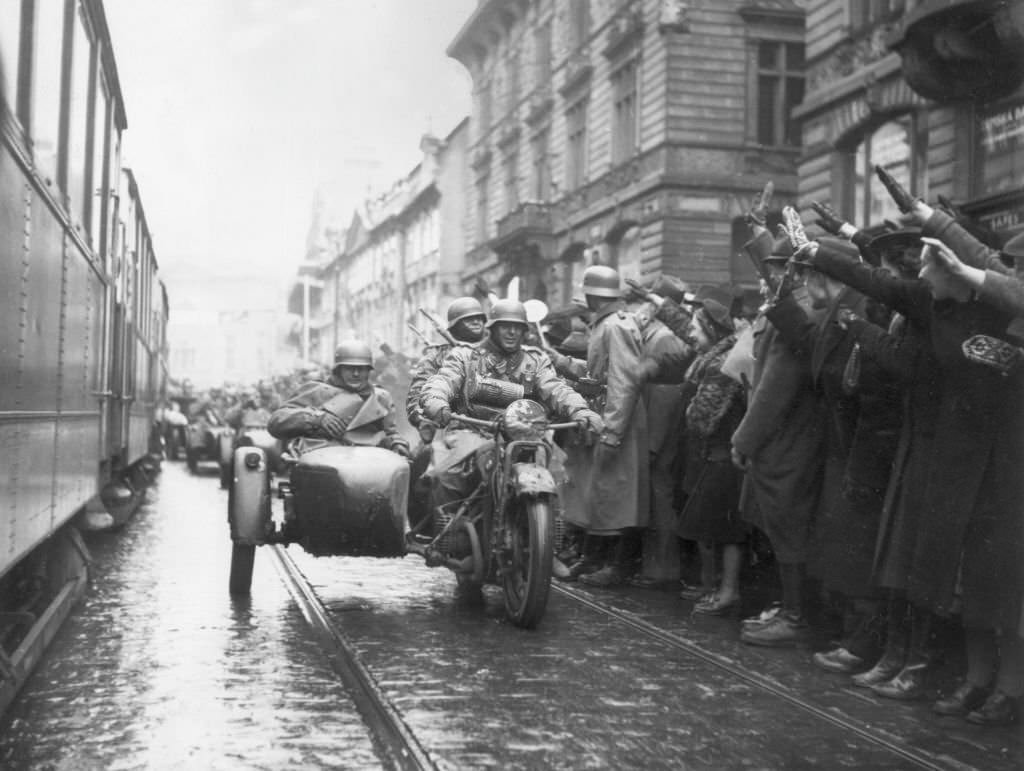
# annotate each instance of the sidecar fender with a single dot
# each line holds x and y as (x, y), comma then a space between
(531, 479)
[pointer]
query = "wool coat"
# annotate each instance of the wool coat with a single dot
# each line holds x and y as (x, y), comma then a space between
(955, 511)
(605, 499)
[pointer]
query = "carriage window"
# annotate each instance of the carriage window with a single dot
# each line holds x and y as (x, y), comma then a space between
(10, 32)
(79, 190)
(99, 147)
(49, 29)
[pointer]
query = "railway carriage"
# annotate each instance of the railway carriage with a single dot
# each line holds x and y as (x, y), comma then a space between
(82, 316)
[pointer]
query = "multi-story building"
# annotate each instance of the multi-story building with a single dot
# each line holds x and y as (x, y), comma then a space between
(401, 251)
(632, 133)
(931, 90)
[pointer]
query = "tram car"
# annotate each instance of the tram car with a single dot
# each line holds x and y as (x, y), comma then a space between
(83, 318)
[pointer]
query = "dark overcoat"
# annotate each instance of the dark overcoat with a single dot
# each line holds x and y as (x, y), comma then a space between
(956, 511)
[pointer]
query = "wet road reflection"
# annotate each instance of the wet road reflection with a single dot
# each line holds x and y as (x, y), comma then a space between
(159, 668)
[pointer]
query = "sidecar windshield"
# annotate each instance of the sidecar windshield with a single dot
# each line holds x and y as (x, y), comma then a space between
(524, 419)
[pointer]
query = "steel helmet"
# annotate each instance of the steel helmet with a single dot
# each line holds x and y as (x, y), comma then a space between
(511, 311)
(601, 281)
(463, 308)
(353, 353)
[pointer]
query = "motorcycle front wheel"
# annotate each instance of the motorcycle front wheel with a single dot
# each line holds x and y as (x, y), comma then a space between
(527, 579)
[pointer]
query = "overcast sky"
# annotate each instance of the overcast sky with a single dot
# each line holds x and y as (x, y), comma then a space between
(240, 110)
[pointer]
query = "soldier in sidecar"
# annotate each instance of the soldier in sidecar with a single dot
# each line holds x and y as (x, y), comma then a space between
(349, 472)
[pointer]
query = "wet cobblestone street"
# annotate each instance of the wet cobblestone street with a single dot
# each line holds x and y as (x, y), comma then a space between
(160, 668)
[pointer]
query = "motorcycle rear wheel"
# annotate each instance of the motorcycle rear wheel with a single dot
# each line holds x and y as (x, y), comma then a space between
(527, 581)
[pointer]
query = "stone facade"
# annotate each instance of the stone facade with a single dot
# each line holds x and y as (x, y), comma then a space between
(631, 132)
(860, 109)
(402, 250)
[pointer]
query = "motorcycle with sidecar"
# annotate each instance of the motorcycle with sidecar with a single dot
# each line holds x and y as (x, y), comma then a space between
(344, 500)
(203, 438)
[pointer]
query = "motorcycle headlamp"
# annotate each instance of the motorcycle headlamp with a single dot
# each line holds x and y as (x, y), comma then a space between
(524, 419)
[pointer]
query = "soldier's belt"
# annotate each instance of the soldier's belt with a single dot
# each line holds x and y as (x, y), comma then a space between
(992, 352)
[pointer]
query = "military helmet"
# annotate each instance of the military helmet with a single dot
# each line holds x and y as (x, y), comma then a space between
(464, 308)
(601, 281)
(511, 311)
(353, 353)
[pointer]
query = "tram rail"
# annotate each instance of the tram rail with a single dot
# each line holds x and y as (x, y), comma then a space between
(679, 643)
(400, 747)
(397, 743)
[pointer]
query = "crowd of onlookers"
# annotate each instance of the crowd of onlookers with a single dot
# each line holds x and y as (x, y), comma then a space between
(862, 426)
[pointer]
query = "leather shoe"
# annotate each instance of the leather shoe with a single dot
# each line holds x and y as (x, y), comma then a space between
(998, 709)
(839, 660)
(580, 568)
(766, 616)
(967, 698)
(907, 685)
(609, 575)
(882, 672)
(784, 629)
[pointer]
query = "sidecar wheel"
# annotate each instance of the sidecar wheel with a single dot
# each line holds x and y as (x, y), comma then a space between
(243, 556)
(528, 579)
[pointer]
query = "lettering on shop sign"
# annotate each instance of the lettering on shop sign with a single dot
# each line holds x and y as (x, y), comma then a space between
(1002, 220)
(1004, 128)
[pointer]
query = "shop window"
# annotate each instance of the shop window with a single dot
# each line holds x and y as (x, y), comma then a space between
(779, 89)
(576, 133)
(899, 147)
(999, 149)
(624, 112)
(46, 83)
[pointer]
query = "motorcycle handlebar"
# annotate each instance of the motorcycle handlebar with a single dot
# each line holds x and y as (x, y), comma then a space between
(492, 424)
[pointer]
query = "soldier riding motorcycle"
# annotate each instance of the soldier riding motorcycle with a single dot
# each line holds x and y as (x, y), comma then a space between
(492, 492)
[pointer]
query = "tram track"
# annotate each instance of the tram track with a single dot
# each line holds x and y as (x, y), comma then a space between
(398, 745)
(919, 760)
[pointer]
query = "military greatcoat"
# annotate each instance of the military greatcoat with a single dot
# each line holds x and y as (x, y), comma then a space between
(606, 500)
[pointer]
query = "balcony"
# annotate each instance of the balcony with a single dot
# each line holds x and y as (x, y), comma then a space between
(528, 220)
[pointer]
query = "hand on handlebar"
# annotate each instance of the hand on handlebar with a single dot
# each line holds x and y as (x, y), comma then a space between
(438, 412)
(590, 424)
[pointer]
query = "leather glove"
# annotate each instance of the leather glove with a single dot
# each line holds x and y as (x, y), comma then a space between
(438, 412)
(331, 426)
(758, 214)
(590, 423)
(830, 221)
(427, 431)
(904, 200)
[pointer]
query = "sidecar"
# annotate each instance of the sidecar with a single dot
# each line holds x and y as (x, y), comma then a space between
(338, 501)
